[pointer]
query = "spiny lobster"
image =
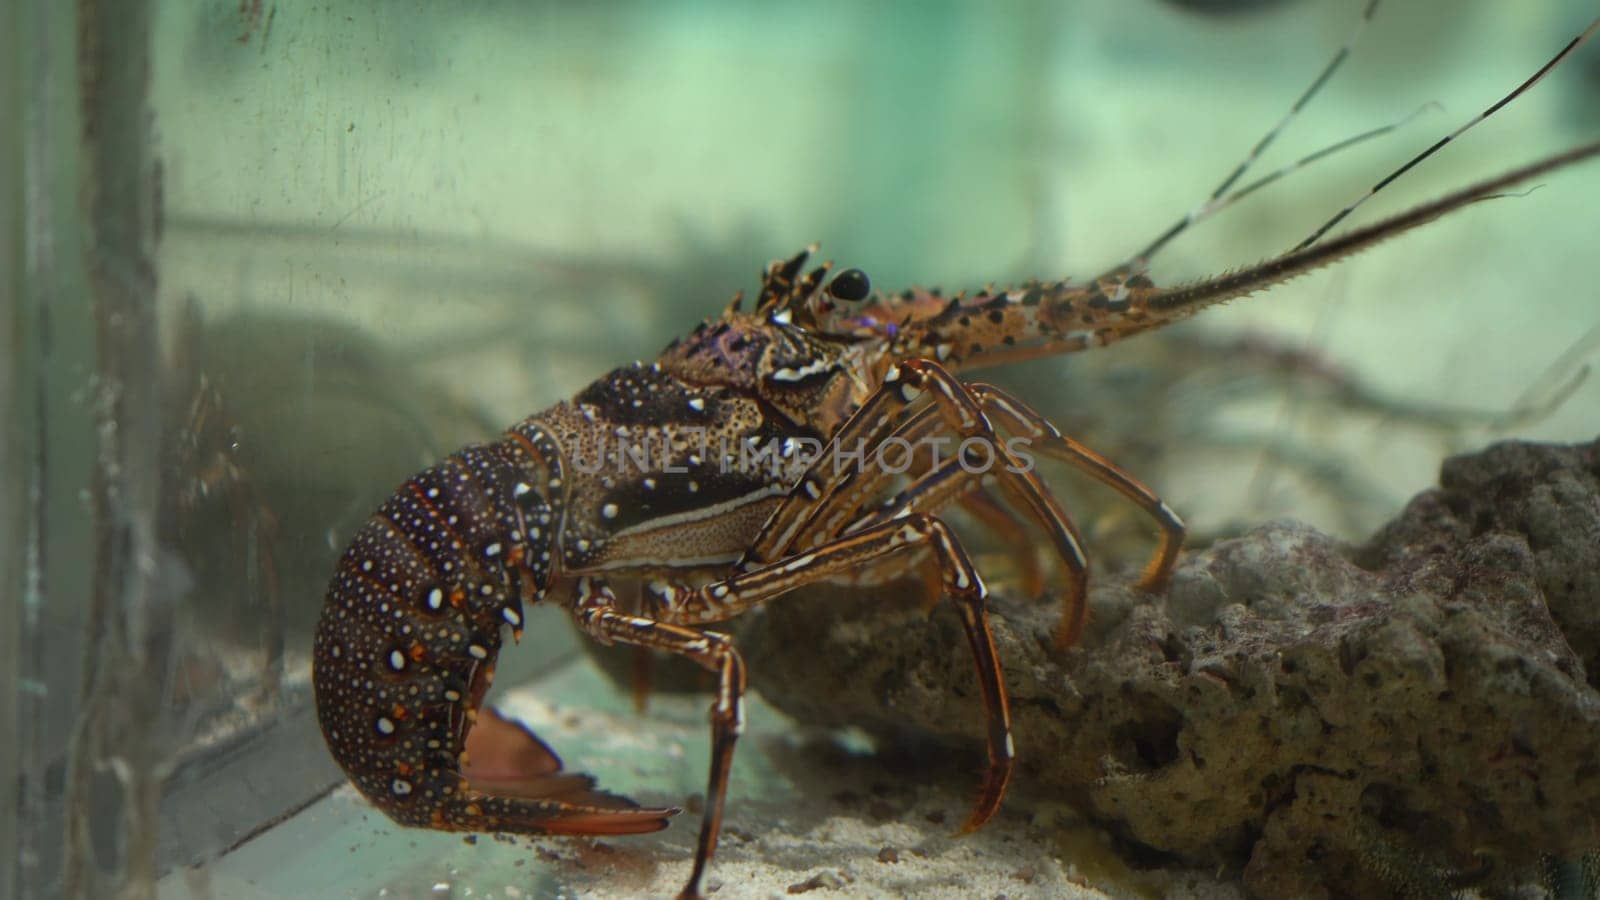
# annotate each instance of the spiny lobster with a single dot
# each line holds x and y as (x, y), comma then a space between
(717, 476)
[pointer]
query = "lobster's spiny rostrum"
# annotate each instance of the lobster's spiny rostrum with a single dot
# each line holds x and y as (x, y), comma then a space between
(714, 477)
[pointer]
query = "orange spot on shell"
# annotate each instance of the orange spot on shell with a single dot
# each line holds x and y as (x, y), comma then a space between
(417, 651)
(402, 767)
(458, 598)
(400, 712)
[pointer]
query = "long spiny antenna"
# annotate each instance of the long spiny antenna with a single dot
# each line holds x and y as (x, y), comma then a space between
(1217, 201)
(1534, 79)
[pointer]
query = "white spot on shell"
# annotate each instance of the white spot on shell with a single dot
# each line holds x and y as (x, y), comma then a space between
(477, 652)
(397, 660)
(385, 725)
(697, 404)
(435, 599)
(609, 511)
(791, 374)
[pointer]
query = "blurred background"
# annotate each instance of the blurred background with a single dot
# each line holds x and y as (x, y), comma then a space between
(269, 258)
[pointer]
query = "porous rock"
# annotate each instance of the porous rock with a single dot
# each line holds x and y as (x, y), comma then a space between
(1403, 717)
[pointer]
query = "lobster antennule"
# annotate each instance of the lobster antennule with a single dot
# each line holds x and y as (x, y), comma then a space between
(1182, 301)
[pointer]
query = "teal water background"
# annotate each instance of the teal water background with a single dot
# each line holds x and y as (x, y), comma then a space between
(502, 200)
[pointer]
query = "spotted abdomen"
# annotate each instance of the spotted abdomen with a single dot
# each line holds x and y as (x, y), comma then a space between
(414, 615)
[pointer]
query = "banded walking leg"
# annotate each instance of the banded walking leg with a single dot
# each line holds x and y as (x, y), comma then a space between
(936, 488)
(818, 509)
(1020, 419)
(597, 613)
(827, 497)
(911, 533)
(1025, 421)
(878, 418)
(982, 505)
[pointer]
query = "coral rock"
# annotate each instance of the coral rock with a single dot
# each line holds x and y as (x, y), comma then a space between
(1403, 716)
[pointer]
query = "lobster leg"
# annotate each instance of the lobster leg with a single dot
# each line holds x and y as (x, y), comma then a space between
(982, 505)
(812, 512)
(913, 532)
(990, 404)
(828, 496)
(1023, 420)
(596, 612)
(869, 426)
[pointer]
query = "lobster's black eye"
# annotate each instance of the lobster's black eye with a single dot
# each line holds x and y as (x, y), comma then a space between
(851, 286)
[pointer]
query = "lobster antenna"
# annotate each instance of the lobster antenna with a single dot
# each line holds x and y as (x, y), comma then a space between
(1211, 204)
(1534, 79)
